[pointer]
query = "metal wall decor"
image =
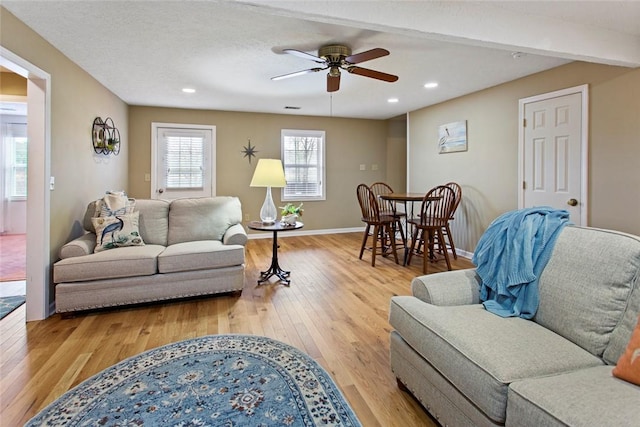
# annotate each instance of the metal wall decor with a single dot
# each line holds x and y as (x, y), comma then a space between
(105, 136)
(249, 151)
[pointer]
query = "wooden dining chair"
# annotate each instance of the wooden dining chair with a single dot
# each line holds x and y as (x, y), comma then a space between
(383, 225)
(457, 191)
(428, 227)
(387, 207)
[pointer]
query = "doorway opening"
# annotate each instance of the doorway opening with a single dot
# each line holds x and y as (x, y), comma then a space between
(39, 304)
(13, 188)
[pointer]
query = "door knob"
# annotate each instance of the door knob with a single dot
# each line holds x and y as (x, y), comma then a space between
(572, 202)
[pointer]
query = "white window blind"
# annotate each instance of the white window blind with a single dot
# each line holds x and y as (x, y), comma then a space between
(184, 160)
(16, 160)
(303, 161)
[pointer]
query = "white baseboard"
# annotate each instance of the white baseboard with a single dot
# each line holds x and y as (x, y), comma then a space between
(464, 254)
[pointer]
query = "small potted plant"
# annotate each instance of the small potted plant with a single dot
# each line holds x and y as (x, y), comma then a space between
(111, 144)
(290, 213)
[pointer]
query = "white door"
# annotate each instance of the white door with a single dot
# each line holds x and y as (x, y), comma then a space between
(183, 161)
(553, 152)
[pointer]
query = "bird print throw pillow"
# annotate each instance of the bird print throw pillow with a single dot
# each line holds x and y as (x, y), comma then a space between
(117, 231)
(628, 367)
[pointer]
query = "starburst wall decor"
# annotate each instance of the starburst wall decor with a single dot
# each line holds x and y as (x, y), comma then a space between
(249, 151)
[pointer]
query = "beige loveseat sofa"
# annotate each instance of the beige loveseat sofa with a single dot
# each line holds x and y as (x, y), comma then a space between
(470, 367)
(191, 247)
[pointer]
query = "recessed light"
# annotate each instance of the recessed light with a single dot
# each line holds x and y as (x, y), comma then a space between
(392, 100)
(430, 85)
(188, 90)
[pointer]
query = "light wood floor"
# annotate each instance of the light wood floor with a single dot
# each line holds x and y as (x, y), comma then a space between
(336, 310)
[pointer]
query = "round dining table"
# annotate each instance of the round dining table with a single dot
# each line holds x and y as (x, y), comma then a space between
(406, 198)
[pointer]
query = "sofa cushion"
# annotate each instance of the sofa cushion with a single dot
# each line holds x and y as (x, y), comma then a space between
(585, 288)
(204, 218)
(122, 262)
(153, 220)
(199, 255)
(481, 353)
(587, 397)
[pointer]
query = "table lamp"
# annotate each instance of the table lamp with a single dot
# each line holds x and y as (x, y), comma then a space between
(269, 173)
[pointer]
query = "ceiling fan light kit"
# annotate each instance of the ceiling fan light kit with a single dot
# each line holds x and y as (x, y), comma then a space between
(336, 57)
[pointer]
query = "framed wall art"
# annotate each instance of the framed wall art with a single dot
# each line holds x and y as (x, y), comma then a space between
(452, 137)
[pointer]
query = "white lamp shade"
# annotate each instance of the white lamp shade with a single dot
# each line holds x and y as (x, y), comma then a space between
(268, 173)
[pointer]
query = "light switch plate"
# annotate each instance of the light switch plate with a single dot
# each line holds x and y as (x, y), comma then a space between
(363, 167)
(52, 183)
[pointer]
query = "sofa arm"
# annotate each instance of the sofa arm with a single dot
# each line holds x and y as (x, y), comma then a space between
(83, 245)
(235, 235)
(460, 287)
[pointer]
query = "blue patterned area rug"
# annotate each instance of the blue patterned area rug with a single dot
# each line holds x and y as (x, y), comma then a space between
(8, 304)
(217, 380)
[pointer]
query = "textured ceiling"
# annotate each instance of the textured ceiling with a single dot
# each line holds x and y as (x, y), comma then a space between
(147, 51)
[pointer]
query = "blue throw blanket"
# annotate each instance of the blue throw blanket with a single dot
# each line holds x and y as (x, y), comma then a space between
(512, 254)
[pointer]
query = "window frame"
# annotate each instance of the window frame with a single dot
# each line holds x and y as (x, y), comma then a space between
(320, 164)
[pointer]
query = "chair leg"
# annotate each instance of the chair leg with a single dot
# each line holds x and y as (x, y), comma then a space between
(446, 252)
(413, 244)
(392, 238)
(420, 241)
(397, 222)
(384, 235)
(393, 241)
(426, 255)
(451, 245)
(364, 240)
(376, 231)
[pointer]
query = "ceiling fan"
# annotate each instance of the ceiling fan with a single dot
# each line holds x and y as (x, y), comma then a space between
(336, 57)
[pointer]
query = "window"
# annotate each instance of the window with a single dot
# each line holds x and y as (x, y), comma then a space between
(183, 160)
(16, 161)
(303, 161)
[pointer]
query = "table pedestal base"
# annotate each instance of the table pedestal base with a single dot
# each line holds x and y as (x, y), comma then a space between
(275, 269)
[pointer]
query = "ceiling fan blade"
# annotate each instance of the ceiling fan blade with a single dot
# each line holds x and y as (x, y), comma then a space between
(333, 83)
(367, 55)
(297, 73)
(304, 55)
(379, 75)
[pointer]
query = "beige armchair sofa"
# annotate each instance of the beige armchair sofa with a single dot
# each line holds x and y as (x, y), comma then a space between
(469, 367)
(191, 247)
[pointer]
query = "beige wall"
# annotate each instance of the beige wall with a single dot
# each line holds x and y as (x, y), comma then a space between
(349, 143)
(488, 171)
(397, 154)
(76, 99)
(12, 84)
